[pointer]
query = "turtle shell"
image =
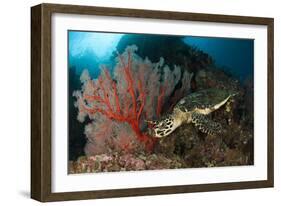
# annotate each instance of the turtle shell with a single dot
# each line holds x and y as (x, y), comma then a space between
(207, 98)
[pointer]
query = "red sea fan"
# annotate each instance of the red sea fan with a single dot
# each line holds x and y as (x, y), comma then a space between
(118, 105)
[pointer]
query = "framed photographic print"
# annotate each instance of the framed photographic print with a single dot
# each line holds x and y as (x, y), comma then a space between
(130, 102)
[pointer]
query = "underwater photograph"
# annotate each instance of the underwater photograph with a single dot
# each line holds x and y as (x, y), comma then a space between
(152, 101)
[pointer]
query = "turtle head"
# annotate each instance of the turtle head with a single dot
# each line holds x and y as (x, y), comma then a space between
(161, 128)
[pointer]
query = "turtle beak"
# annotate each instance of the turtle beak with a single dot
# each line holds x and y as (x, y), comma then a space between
(151, 125)
(151, 132)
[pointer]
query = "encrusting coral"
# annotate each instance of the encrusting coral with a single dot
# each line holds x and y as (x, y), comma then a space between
(123, 162)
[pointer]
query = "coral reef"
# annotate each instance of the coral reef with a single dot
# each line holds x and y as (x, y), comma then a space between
(123, 162)
(114, 108)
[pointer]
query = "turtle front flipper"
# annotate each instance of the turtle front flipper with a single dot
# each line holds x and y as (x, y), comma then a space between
(205, 124)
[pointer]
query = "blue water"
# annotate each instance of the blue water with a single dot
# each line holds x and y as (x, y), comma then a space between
(234, 55)
(87, 50)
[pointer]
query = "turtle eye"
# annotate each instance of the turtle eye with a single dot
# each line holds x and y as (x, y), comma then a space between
(151, 124)
(161, 124)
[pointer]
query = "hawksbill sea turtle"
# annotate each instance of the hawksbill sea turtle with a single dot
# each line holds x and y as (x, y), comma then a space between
(194, 108)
